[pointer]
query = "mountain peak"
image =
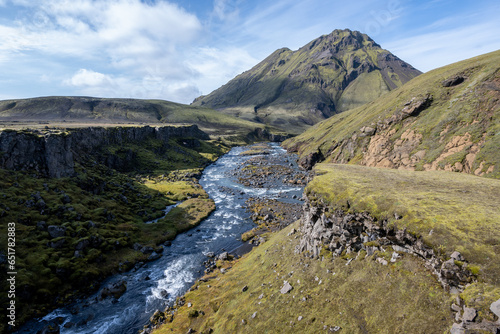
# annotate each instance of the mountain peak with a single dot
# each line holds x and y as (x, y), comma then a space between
(292, 90)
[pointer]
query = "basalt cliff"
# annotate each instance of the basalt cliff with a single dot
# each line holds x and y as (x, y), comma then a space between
(54, 154)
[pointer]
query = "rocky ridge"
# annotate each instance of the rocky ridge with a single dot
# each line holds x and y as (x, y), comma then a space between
(54, 154)
(360, 234)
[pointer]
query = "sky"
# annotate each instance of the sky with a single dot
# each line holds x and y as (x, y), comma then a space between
(177, 50)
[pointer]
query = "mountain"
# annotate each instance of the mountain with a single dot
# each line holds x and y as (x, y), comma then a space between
(293, 90)
(73, 111)
(446, 119)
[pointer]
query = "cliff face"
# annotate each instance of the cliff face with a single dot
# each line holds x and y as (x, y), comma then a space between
(54, 154)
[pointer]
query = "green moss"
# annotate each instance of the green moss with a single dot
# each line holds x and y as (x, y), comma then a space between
(466, 108)
(459, 209)
(363, 296)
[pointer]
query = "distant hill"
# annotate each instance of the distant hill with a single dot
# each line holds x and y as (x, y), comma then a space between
(296, 89)
(446, 119)
(86, 110)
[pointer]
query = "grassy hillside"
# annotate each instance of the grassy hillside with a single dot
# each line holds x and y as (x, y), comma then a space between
(74, 111)
(355, 293)
(73, 232)
(294, 89)
(327, 296)
(427, 124)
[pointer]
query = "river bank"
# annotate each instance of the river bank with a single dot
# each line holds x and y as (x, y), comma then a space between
(158, 283)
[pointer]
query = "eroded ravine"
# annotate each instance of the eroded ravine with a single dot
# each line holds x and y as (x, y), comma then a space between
(158, 283)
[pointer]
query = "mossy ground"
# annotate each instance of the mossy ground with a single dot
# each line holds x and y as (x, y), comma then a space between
(450, 211)
(362, 297)
(104, 211)
(471, 108)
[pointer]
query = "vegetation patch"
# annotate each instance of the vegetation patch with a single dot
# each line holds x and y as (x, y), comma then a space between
(363, 296)
(73, 232)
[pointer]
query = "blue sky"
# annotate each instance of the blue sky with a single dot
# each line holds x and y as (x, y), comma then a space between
(179, 49)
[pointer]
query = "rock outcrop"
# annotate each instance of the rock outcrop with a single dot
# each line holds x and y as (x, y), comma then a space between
(344, 233)
(54, 154)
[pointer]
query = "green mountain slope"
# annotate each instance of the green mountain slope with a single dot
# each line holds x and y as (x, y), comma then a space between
(296, 89)
(446, 119)
(85, 110)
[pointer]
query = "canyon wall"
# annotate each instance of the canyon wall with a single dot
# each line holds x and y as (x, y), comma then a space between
(54, 154)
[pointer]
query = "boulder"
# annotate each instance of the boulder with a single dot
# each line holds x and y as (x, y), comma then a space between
(457, 256)
(469, 314)
(41, 226)
(495, 308)
(457, 329)
(154, 256)
(82, 244)
(56, 231)
(287, 287)
(115, 290)
(224, 256)
(57, 243)
(453, 81)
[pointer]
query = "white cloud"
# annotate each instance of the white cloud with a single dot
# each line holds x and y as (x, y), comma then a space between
(86, 78)
(218, 66)
(126, 38)
(225, 10)
(431, 50)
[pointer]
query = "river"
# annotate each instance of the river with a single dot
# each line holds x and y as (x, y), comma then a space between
(157, 284)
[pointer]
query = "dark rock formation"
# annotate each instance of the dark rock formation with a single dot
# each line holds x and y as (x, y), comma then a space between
(453, 81)
(54, 155)
(342, 232)
(114, 290)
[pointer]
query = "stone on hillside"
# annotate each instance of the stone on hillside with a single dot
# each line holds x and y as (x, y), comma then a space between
(367, 130)
(453, 81)
(41, 225)
(224, 256)
(82, 244)
(286, 287)
(147, 250)
(57, 244)
(457, 256)
(469, 314)
(245, 288)
(495, 308)
(56, 231)
(457, 329)
(416, 105)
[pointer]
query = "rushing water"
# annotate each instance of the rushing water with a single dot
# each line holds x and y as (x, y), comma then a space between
(157, 284)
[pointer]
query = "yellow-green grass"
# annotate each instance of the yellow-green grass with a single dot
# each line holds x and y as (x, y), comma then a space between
(82, 111)
(176, 190)
(461, 210)
(362, 297)
(471, 107)
(98, 204)
(256, 149)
